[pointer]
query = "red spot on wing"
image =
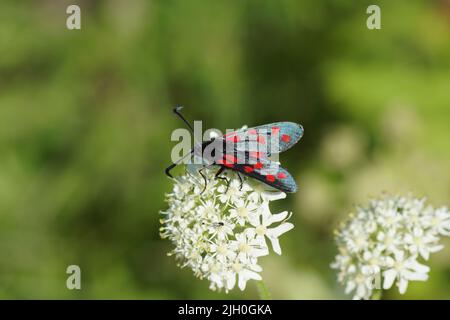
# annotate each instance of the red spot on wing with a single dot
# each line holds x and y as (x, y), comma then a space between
(275, 130)
(252, 132)
(258, 165)
(226, 163)
(230, 158)
(270, 178)
(255, 154)
(286, 138)
(248, 169)
(229, 134)
(281, 175)
(234, 139)
(261, 139)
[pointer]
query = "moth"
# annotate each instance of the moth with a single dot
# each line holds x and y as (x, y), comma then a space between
(248, 152)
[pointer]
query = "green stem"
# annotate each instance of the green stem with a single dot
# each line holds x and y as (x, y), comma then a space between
(376, 295)
(263, 292)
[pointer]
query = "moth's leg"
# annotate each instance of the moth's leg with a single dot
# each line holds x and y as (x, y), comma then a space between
(167, 171)
(241, 180)
(173, 165)
(228, 184)
(204, 178)
(217, 176)
(221, 169)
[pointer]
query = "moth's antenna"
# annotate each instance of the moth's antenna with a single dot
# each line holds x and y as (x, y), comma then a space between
(176, 110)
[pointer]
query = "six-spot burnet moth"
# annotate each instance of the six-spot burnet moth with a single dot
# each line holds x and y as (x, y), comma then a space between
(249, 151)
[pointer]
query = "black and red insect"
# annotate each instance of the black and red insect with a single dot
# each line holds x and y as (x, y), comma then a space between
(249, 152)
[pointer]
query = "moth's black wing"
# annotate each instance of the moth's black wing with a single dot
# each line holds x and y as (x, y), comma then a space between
(257, 165)
(270, 138)
(271, 174)
(248, 151)
(283, 134)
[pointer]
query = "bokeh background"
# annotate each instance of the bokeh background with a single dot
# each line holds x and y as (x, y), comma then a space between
(85, 124)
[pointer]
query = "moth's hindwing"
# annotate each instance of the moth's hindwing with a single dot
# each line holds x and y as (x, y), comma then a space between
(259, 166)
(278, 178)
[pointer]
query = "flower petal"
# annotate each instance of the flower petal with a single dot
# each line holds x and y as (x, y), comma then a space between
(279, 230)
(389, 277)
(278, 217)
(242, 282)
(415, 276)
(231, 281)
(402, 285)
(273, 195)
(276, 245)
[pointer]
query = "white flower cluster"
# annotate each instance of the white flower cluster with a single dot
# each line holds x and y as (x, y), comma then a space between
(221, 233)
(382, 244)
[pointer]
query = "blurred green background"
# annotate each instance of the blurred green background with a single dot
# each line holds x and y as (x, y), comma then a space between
(85, 124)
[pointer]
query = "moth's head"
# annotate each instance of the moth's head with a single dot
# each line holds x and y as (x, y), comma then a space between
(213, 135)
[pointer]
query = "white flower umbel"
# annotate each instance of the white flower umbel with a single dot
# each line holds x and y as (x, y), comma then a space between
(382, 244)
(221, 233)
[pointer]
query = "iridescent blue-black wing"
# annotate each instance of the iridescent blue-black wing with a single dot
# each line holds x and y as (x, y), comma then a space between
(248, 151)
(269, 173)
(257, 165)
(270, 138)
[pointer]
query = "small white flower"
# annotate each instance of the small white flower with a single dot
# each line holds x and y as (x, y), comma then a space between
(248, 247)
(387, 217)
(402, 270)
(358, 240)
(388, 240)
(222, 250)
(220, 233)
(361, 284)
(243, 272)
(422, 242)
(440, 221)
(232, 193)
(385, 240)
(220, 227)
(373, 259)
(262, 192)
(243, 211)
(262, 223)
(208, 208)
